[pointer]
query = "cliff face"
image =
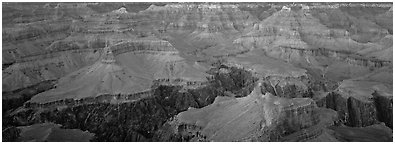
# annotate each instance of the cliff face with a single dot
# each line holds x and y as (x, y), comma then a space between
(363, 101)
(336, 102)
(288, 87)
(357, 113)
(384, 106)
(361, 114)
(259, 117)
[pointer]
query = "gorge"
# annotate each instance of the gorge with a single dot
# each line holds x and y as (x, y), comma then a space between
(188, 72)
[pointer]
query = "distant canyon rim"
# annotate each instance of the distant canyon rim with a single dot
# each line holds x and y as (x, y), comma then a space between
(188, 72)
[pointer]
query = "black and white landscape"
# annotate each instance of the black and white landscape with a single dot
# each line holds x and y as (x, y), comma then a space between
(180, 72)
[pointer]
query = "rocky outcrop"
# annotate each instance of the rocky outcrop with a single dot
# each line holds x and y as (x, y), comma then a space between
(361, 114)
(362, 101)
(288, 87)
(230, 79)
(336, 102)
(259, 118)
(384, 107)
(352, 112)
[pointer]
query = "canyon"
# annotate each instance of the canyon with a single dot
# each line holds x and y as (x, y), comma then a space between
(188, 72)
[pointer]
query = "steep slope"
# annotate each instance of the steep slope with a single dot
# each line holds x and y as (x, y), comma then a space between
(362, 101)
(257, 117)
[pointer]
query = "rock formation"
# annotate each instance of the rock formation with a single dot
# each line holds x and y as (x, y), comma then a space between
(256, 117)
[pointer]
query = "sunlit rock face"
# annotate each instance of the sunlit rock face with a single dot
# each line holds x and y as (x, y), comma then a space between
(197, 71)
